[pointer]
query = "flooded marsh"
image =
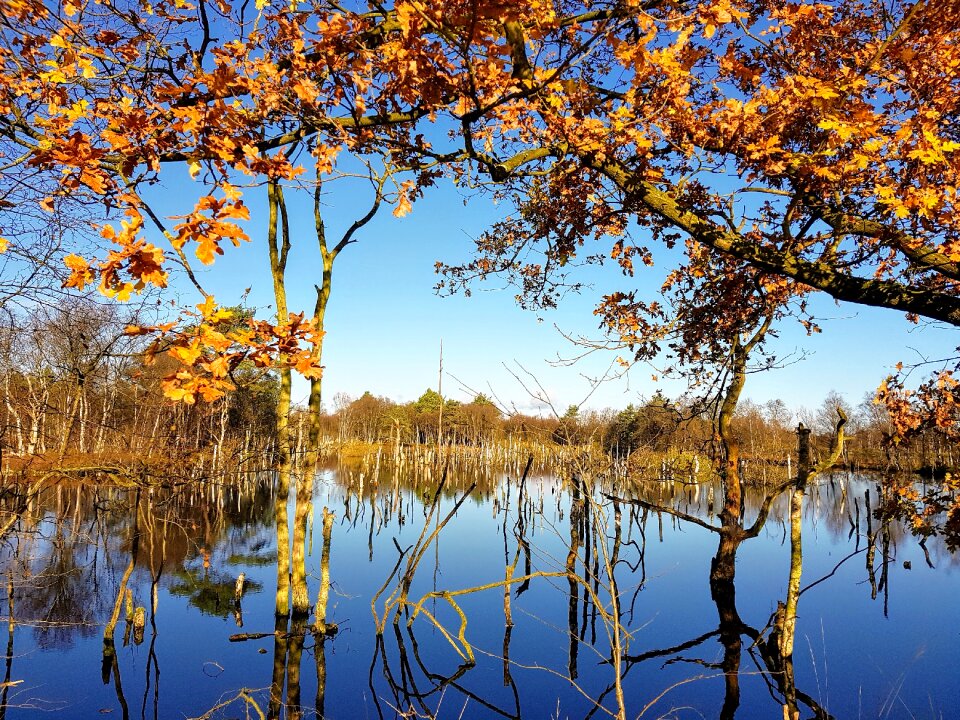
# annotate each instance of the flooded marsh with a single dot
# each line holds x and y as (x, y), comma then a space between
(480, 599)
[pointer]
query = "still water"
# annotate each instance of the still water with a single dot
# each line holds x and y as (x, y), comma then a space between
(877, 630)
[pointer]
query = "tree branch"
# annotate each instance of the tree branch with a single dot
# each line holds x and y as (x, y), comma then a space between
(679, 514)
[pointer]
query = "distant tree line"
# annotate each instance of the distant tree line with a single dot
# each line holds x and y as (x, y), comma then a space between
(74, 384)
(656, 425)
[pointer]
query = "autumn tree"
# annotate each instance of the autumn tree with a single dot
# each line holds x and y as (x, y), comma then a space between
(815, 143)
(837, 118)
(62, 366)
(673, 104)
(478, 420)
(101, 101)
(827, 413)
(369, 416)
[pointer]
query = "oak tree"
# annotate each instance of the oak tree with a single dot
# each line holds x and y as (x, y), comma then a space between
(814, 143)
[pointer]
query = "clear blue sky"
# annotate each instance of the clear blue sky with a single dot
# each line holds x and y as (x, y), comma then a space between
(385, 323)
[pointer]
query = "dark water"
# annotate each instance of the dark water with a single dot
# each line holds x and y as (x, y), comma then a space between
(878, 638)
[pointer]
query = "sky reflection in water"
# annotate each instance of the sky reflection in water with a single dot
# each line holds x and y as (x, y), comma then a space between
(884, 647)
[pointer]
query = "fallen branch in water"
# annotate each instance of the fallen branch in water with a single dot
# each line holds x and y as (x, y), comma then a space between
(245, 696)
(329, 630)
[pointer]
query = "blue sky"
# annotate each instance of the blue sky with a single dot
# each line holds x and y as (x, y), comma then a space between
(385, 322)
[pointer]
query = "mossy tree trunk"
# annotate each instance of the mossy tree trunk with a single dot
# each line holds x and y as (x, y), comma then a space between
(279, 250)
(723, 567)
(291, 563)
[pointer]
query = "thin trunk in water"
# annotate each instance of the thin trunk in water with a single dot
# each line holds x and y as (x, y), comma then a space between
(301, 596)
(796, 543)
(723, 567)
(283, 465)
(298, 631)
(279, 668)
(283, 462)
(323, 595)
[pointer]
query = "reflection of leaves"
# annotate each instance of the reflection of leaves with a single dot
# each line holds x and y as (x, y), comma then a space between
(252, 559)
(210, 592)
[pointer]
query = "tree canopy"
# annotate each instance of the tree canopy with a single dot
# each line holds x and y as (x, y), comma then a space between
(793, 146)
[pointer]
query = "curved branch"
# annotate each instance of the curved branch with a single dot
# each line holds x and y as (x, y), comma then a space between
(836, 446)
(819, 275)
(679, 514)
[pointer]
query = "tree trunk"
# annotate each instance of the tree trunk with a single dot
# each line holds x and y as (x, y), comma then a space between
(788, 629)
(323, 594)
(283, 468)
(283, 462)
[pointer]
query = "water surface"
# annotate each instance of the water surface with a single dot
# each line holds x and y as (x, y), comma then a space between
(877, 638)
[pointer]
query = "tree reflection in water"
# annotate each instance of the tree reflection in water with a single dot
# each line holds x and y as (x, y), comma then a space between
(588, 531)
(539, 623)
